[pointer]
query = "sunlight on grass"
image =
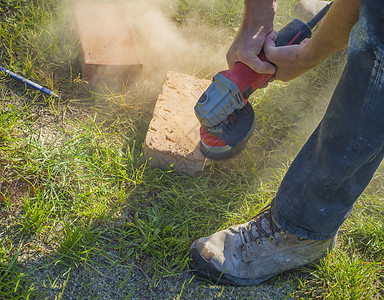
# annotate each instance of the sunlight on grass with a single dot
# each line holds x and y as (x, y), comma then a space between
(343, 274)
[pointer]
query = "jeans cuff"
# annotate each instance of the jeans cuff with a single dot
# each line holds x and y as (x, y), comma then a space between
(300, 232)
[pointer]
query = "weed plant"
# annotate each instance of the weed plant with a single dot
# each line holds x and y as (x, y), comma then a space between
(74, 184)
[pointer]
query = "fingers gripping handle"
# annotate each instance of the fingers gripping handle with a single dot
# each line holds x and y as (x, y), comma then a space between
(247, 79)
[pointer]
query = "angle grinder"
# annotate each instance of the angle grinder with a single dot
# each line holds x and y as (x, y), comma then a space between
(227, 118)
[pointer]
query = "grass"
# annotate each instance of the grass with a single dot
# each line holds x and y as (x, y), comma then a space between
(344, 274)
(78, 197)
(13, 283)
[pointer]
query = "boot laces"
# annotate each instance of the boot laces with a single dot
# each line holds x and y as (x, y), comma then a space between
(255, 225)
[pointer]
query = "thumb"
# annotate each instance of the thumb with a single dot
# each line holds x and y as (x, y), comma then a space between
(272, 35)
(270, 48)
(304, 42)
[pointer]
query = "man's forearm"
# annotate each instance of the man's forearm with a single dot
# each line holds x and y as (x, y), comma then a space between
(258, 12)
(257, 24)
(333, 32)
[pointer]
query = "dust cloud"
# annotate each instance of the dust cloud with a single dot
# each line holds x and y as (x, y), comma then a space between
(164, 45)
(196, 49)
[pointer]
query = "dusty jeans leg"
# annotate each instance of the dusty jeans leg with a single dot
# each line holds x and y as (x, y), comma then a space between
(340, 157)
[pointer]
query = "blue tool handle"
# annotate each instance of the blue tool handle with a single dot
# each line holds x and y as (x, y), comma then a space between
(28, 82)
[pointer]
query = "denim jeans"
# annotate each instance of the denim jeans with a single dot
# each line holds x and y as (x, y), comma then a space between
(339, 159)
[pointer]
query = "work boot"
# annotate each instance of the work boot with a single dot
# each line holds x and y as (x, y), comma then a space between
(251, 253)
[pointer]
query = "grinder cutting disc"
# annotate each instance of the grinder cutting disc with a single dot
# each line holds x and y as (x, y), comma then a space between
(230, 136)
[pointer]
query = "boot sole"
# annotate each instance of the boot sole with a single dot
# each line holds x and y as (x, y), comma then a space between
(205, 270)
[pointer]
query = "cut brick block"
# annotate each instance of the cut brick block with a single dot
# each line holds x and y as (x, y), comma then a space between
(108, 44)
(173, 136)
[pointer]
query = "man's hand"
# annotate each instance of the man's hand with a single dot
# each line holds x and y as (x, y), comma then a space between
(290, 60)
(257, 24)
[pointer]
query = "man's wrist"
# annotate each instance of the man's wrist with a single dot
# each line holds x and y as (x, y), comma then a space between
(259, 15)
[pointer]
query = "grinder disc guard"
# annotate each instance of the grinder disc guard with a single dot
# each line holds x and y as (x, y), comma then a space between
(229, 136)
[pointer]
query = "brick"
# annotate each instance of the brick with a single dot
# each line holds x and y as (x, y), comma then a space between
(173, 135)
(108, 45)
